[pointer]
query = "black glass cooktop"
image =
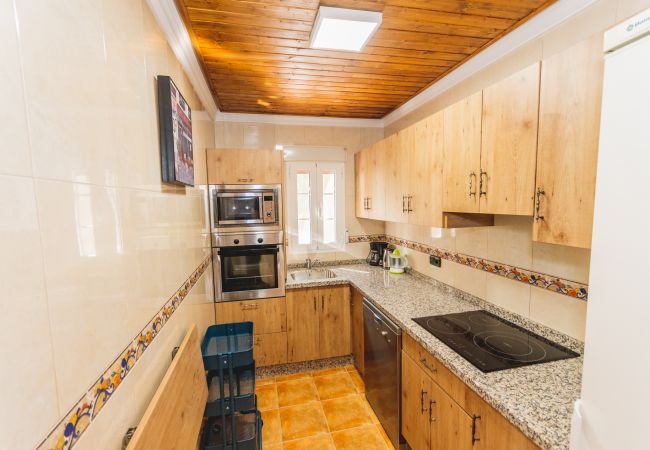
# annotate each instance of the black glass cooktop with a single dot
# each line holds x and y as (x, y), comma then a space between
(492, 343)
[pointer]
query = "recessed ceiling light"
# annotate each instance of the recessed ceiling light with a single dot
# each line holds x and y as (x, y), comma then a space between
(343, 29)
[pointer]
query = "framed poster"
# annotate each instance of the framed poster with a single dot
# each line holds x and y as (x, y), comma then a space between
(175, 119)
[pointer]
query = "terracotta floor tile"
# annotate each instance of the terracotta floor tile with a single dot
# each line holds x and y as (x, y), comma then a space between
(381, 430)
(362, 438)
(267, 397)
(293, 376)
(296, 392)
(320, 442)
(266, 446)
(264, 381)
(335, 385)
(302, 421)
(346, 412)
(271, 430)
(330, 371)
(357, 380)
(371, 412)
(349, 367)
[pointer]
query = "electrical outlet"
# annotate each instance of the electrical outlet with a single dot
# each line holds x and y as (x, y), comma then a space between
(435, 260)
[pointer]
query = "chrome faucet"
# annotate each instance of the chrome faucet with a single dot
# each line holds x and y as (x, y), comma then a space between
(310, 263)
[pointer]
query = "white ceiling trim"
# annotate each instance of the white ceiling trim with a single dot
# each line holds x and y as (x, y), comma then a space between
(535, 27)
(173, 26)
(281, 119)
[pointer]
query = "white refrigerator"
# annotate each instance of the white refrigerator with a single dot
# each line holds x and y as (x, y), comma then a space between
(614, 410)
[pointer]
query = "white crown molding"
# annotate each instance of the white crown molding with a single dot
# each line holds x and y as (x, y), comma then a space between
(281, 119)
(535, 27)
(172, 25)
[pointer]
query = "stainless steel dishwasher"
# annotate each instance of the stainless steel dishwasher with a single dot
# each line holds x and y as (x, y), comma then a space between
(382, 340)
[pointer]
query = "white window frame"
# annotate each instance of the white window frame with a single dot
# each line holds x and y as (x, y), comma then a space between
(316, 170)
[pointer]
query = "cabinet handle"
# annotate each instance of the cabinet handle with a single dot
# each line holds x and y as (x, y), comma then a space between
(538, 203)
(422, 394)
(403, 203)
(314, 303)
(408, 204)
(369, 202)
(474, 438)
(472, 178)
(423, 361)
(431, 403)
(481, 191)
(322, 302)
(364, 203)
(249, 306)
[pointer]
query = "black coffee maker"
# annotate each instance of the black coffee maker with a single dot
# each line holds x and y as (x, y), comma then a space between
(376, 255)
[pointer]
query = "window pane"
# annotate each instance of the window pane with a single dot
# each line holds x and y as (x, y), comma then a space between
(329, 206)
(303, 183)
(304, 232)
(329, 183)
(303, 206)
(329, 231)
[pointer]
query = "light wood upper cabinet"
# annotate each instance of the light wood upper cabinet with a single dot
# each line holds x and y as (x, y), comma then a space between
(318, 323)
(377, 182)
(462, 154)
(244, 166)
(425, 174)
(509, 144)
(363, 174)
(569, 123)
(394, 171)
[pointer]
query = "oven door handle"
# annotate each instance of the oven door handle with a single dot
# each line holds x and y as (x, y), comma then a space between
(230, 251)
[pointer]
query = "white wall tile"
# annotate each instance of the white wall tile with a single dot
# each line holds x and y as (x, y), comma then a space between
(472, 241)
(566, 262)
(508, 294)
(28, 387)
(14, 151)
(559, 312)
(510, 241)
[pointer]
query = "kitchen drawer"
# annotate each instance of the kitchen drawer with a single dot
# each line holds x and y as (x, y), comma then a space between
(270, 349)
(269, 315)
(449, 382)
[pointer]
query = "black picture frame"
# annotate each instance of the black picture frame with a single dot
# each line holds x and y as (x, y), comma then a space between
(175, 123)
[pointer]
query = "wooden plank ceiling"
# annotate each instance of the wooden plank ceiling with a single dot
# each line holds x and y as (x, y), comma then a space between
(256, 55)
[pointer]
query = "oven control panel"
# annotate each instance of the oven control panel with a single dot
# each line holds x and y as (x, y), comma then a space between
(268, 207)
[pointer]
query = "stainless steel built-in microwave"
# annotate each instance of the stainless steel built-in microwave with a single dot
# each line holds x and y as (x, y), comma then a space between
(237, 208)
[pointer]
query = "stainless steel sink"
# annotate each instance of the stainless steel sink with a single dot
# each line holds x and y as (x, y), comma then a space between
(312, 274)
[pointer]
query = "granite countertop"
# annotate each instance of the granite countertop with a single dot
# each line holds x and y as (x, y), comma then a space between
(538, 399)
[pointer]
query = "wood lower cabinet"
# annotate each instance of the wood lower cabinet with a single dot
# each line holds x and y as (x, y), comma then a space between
(569, 125)
(356, 311)
(269, 317)
(440, 412)
(270, 349)
(244, 166)
(318, 323)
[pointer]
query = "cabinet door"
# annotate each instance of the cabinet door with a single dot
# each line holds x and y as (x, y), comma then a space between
(377, 187)
(270, 349)
(394, 168)
(334, 327)
(302, 325)
(493, 431)
(415, 404)
(509, 144)
(425, 182)
(451, 426)
(268, 315)
(244, 166)
(569, 121)
(462, 154)
(361, 169)
(356, 307)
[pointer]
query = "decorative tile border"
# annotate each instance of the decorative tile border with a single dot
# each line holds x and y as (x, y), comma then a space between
(540, 280)
(68, 431)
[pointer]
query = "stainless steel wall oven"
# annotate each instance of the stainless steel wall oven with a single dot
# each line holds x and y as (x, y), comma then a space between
(248, 266)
